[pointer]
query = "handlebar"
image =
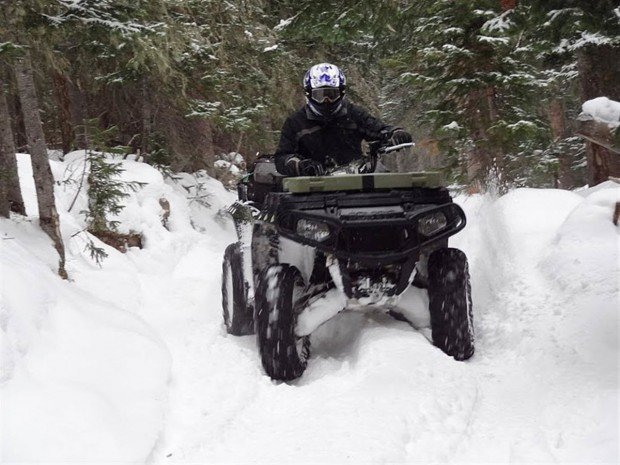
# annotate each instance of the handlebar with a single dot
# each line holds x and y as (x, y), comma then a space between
(394, 148)
(377, 148)
(369, 163)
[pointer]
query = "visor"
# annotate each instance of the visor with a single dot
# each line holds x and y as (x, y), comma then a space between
(325, 94)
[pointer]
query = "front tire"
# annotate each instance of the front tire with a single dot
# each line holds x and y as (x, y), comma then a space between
(238, 313)
(449, 294)
(284, 355)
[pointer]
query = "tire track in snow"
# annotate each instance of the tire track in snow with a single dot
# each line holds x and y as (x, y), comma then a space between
(377, 391)
(190, 317)
(332, 412)
(532, 383)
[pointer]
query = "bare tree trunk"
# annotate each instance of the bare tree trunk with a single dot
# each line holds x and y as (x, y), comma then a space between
(599, 68)
(557, 120)
(496, 154)
(482, 160)
(602, 164)
(207, 160)
(475, 158)
(64, 105)
(10, 192)
(43, 179)
(147, 118)
(600, 132)
(79, 115)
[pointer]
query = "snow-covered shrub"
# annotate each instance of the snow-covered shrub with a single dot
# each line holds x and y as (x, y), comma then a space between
(229, 169)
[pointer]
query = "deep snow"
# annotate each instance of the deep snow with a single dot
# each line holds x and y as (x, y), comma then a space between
(130, 362)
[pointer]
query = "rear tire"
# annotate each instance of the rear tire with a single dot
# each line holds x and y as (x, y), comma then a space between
(449, 293)
(284, 355)
(238, 313)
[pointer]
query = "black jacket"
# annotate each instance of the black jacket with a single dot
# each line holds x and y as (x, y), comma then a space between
(309, 136)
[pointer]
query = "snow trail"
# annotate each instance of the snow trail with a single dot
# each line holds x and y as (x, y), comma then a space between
(536, 387)
(143, 335)
(376, 391)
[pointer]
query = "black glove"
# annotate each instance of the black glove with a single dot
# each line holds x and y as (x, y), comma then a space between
(399, 136)
(296, 166)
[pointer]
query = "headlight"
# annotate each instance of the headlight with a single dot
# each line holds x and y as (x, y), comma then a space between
(432, 224)
(314, 230)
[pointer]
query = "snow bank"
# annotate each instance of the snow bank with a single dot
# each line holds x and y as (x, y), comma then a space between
(517, 229)
(545, 287)
(83, 380)
(84, 377)
(584, 255)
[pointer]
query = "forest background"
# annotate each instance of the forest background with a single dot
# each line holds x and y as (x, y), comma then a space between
(490, 89)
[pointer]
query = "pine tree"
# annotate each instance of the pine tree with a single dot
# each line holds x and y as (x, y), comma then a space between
(124, 47)
(238, 81)
(105, 193)
(582, 39)
(467, 62)
(493, 80)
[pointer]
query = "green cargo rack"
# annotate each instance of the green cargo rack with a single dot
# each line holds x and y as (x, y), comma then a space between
(351, 182)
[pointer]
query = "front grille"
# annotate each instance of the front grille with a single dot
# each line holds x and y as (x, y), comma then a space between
(373, 240)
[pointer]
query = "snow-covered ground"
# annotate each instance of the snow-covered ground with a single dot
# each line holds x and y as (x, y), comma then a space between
(130, 362)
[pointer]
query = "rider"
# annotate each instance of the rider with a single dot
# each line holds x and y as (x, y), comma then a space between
(328, 125)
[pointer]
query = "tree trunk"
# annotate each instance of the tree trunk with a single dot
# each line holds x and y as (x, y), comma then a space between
(599, 68)
(557, 120)
(10, 192)
(209, 147)
(476, 159)
(497, 162)
(79, 115)
(147, 118)
(483, 161)
(600, 132)
(602, 164)
(64, 105)
(43, 179)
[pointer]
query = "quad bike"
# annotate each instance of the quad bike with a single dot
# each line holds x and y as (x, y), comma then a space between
(364, 240)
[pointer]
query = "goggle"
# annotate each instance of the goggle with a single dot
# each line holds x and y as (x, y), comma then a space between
(325, 94)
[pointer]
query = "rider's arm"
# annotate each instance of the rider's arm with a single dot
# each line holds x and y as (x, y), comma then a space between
(287, 146)
(374, 129)
(371, 128)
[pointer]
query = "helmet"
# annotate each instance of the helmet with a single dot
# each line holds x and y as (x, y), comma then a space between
(324, 86)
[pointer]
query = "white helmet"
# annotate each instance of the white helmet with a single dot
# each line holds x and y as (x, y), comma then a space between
(324, 86)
